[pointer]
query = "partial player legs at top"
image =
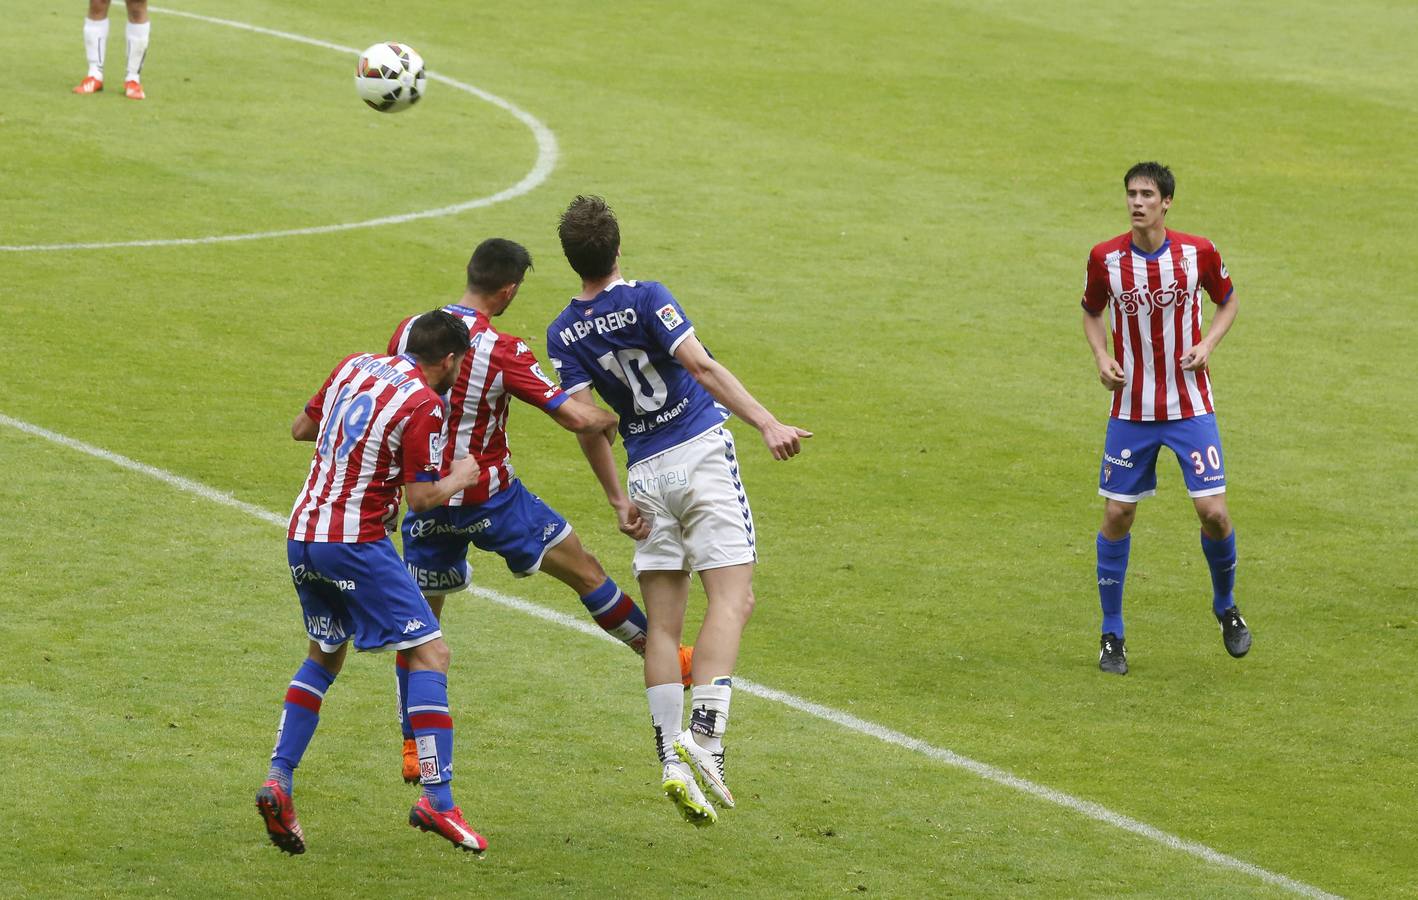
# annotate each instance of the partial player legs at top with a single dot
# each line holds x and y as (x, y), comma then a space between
(96, 47)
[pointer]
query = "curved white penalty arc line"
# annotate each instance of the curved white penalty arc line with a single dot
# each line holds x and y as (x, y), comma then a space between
(1086, 808)
(547, 152)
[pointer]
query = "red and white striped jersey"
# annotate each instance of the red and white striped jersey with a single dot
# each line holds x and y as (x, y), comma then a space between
(497, 366)
(1156, 299)
(381, 426)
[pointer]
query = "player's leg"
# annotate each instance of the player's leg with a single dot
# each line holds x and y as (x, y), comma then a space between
(410, 757)
(1197, 443)
(328, 627)
(666, 594)
(1126, 474)
(436, 556)
(136, 33)
(95, 46)
(432, 721)
(731, 600)
(611, 608)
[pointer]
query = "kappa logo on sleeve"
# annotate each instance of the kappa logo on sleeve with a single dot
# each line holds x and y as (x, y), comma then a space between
(669, 317)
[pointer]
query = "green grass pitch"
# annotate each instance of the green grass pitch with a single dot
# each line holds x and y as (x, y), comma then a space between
(878, 216)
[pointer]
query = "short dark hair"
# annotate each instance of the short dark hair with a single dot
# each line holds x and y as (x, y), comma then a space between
(496, 263)
(590, 237)
(436, 334)
(1155, 172)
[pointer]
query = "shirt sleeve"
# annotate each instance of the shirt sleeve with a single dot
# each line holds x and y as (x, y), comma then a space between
(573, 378)
(522, 374)
(1214, 277)
(400, 338)
(1096, 289)
(315, 406)
(424, 440)
(663, 319)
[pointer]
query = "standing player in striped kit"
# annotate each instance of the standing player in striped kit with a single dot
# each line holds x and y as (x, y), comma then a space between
(497, 513)
(379, 427)
(1157, 371)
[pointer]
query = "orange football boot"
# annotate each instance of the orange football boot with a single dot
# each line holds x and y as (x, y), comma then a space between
(411, 762)
(686, 662)
(133, 90)
(89, 85)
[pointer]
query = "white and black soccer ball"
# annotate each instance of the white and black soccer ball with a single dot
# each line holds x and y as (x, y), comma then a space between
(390, 77)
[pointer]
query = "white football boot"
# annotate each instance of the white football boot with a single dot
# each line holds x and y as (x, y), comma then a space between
(679, 785)
(707, 765)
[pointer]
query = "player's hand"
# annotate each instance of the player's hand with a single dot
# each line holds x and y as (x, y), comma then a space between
(1111, 373)
(784, 441)
(632, 523)
(1196, 358)
(464, 471)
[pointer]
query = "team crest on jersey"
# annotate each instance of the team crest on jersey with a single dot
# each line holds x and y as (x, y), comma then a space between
(669, 317)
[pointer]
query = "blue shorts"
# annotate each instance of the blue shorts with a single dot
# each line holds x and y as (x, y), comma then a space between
(1129, 468)
(515, 524)
(360, 591)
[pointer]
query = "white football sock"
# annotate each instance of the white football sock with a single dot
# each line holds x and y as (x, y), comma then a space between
(137, 48)
(95, 45)
(709, 714)
(666, 715)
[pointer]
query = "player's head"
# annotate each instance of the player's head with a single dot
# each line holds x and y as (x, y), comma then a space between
(590, 237)
(438, 341)
(495, 271)
(1150, 187)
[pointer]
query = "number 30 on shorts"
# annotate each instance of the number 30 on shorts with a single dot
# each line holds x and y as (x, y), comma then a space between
(1212, 458)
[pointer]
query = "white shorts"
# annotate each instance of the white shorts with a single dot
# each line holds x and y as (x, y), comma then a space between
(696, 505)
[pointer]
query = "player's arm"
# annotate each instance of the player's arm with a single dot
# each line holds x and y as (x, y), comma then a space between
(585, 418)
(1110, 371)
(426, 495)
(597, 449)
(783, 440)
(304, 428)
(1200, 353)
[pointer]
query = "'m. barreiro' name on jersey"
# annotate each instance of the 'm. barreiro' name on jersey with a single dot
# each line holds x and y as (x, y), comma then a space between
(498, 366)
(622, 342)
(381, 426)
(1156, 300)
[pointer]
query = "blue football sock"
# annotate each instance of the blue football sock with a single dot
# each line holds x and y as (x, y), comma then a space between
(617, 614)
(1221, 557)
(401, 684)
(1112, 572)
(433, 731)
(299, 717)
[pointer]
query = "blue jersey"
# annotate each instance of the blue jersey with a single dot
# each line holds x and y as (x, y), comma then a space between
(622, 342)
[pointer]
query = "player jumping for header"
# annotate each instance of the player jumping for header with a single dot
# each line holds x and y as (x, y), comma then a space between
(1157, 370)
(379, 428)
(686, 507)
(498, 514)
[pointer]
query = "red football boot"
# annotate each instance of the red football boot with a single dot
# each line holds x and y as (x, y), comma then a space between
(278, 812)
(133, 90)
(448, 824)
(89, 85)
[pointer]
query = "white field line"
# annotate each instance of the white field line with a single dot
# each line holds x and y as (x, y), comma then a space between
(546, 161)
(1086, 808)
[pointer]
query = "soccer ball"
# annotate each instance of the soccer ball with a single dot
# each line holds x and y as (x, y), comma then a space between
(390, 77)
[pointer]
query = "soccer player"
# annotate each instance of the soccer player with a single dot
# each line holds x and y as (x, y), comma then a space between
(498, 514)
(96, 47)
(686, 507)
(379, 427)
(1157, 372)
